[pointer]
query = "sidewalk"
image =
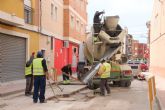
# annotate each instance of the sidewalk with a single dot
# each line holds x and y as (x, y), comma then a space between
(67, 91)
(159, 101)
(160, 87)
(14, 87)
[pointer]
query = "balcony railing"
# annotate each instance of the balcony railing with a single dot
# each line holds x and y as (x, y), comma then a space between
(28, 14)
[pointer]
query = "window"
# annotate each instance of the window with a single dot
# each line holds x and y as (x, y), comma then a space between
(72, 22)
(55, 16)
(78, 25)
(52, 10)
(74, 50)
(27, 14)
(51, 43)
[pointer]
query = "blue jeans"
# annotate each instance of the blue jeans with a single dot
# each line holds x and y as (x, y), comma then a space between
(39, 86)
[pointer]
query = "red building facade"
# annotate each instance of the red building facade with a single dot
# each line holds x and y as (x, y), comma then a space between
(74, 24)
(141, 50)
(138, 49)
(61, 55)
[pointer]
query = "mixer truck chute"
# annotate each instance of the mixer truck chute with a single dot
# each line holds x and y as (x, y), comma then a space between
(107, 44)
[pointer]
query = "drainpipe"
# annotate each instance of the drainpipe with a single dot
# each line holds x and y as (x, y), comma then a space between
(40, 18)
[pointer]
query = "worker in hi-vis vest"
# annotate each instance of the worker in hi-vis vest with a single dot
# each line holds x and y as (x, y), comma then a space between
(104, 73)
(40, 73)
(29, 76)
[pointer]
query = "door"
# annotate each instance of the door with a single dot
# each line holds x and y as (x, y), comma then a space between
(12, 57)
(60, 55)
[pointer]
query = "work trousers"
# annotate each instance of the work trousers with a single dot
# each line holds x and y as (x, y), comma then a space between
(65, 77)
(39, 86)
(104, 85)
(29, 85)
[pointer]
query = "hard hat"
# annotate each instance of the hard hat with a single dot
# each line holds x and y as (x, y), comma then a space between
(39, 54)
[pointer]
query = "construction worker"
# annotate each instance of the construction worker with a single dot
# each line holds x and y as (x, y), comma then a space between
(66, 73)
(40, 73)
(29, 76)
(104, 72)
(97, 22)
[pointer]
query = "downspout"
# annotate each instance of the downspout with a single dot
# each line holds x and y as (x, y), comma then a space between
(40, 14)
(40, 21)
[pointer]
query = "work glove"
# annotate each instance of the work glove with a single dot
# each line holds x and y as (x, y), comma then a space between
(33, 53)
(47, 75)
(103, 12)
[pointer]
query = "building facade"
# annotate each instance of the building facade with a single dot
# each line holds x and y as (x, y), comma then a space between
(56, 27)
(128, 45)
(75, 21)
(157, 38)
(18, 37)
(51, 24)
(142, 50)
(135, 49)
(138, 50)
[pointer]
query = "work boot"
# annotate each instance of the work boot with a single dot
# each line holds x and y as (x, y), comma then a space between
(31, 93)
(34, 101)
(108, 92)
(64, 82)
(27, 94)
(68, 81)
(102, 94)
(44, 101)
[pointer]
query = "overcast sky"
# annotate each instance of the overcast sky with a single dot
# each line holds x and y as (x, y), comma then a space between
(133, 14)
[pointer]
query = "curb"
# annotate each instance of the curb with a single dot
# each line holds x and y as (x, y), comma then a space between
(15, 91)
(67, 95)
(11, 92)
(23, 89)
(158, 103)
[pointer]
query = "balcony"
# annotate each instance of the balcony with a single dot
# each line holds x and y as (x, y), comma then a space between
(11, 19)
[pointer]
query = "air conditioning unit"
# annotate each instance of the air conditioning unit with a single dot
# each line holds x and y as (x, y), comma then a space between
(66, 44)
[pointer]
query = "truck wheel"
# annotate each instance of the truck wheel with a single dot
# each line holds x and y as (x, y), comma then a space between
(127, 83)
(78, 76)
(92, 86)
(122, 84)
(116, 83)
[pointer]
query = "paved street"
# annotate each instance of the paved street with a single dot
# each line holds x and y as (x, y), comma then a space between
(133, 98)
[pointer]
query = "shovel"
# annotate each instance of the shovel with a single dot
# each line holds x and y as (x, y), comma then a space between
(57, 100)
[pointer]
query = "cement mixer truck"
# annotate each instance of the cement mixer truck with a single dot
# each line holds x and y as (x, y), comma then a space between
(104, 42)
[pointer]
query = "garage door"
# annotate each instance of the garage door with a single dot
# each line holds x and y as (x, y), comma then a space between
(12, 57)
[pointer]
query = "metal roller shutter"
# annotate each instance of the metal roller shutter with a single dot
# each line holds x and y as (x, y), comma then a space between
(12, 57)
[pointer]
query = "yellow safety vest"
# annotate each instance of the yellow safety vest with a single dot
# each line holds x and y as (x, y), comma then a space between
(28, 70)
(107, 68)
(37, 67)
